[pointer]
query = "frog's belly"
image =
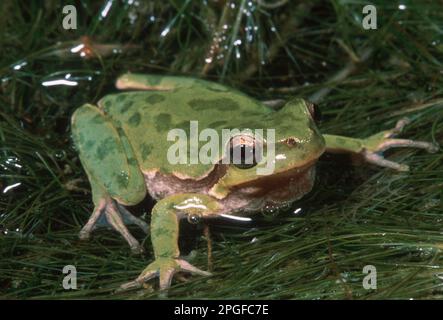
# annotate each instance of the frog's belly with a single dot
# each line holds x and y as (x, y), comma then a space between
(273, 192)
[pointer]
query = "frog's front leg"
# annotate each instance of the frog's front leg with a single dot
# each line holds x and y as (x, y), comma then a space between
(166, 215)
(372, 147)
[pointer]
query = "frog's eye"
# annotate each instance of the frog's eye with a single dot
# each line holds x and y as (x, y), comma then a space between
(314, 110)
(243, 153)
(193, 218)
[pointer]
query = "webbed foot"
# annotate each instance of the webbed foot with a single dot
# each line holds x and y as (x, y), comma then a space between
(382, 141)
(109, 213)
(164, 268)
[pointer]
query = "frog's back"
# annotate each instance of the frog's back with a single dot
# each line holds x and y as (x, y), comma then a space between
(146, 117)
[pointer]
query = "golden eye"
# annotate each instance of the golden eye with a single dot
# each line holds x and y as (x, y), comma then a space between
(243, 153)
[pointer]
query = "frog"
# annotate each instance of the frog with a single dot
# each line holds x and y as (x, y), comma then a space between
(123, 147)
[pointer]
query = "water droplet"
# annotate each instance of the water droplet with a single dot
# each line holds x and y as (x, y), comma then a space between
(237, 53)
(165, 32)
(60, 155)
(106, 9)
(237, 42)
(124, 175)
(19, 65)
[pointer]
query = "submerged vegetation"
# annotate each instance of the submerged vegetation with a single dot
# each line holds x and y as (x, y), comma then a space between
(363, 81)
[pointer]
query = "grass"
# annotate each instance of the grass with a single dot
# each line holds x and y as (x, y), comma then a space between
(355, 216)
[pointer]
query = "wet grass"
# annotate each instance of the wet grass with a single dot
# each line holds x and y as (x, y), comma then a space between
(355, 216)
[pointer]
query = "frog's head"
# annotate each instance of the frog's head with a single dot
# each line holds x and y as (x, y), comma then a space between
(291, 145)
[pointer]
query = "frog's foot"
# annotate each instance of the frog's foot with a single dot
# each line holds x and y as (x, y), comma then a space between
(164, 268)
(109, 212)
(378, 143)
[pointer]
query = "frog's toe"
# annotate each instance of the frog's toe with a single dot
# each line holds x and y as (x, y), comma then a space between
(399, 126)
(136, 248)
(187, 267)
(399, 143)
(375, 145)
(85, 232)
(166, 278)
(109, 213)
(165, 269)
(378, 160)
(374, 156)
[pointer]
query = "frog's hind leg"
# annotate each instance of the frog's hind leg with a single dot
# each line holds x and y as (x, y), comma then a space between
(112, 170)
(134, 81)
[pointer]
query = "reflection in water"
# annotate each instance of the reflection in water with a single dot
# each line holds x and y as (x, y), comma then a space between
(59, 82)
(12, 186)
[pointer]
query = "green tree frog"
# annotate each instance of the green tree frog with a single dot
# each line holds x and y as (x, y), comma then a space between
(123, 146)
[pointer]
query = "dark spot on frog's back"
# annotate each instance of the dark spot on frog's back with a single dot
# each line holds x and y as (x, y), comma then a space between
(106, 147)
(163, 122)
(122, 179)
(97, 119)
(89, 144)
(132, 162)
(135, 119)
(126, 106)
(217, 124)
(145, 150)
(252, 114)
(121, 132)
(184, 125)
(155, 98)
(221, 104)
(120, 98)
(108, 105)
